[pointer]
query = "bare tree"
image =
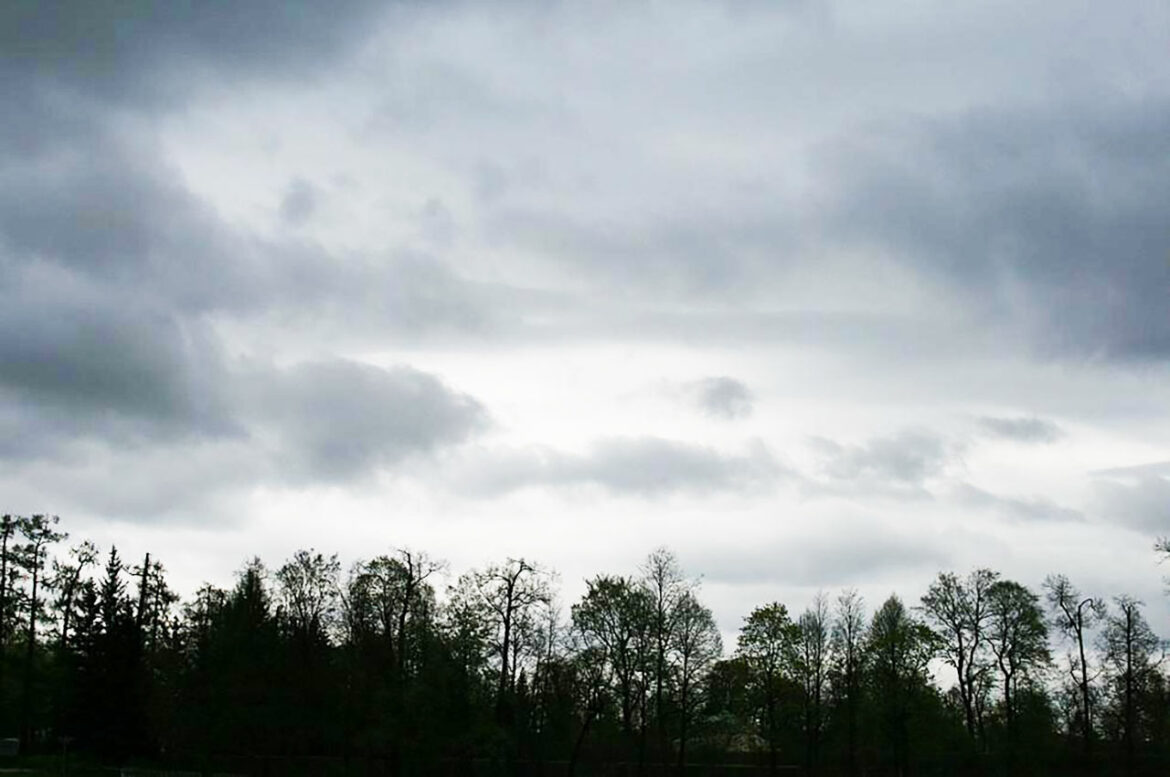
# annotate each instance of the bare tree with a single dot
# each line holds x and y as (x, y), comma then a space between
(847, 657)
(1162, 546)
(155, 599)
(39, 534)
(811, 669)
(307, 587)
(500, 598)
(10, 565)
(663, 581)
(695, 645)
(385, 596)
(67, 576)
(11, 572)
(1074, 616)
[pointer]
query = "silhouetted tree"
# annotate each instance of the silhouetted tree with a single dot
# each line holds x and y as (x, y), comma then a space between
(11, 566)
(501, 600)
(1162, 546)
(959, 610)
(847, 666)
(67, 578)
(898, 650)
(1017, 636)
(38, 534)
(298, 666)
(1074, 616)
(307, 588)
(810, 668)
(110, 715)
(767, 647)
(1128, 646)
(695, 646)
(663, 580)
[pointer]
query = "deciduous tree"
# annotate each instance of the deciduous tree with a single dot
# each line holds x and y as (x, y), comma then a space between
(1017, 636)
(766, 645)
(1074, 616)
(959, 611)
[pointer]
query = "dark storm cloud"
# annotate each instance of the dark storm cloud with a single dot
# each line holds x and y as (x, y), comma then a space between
(640, 466)
(138, 49)
(85, 362)
(115, 275)
(1015, 508)
(1054, 220)
(113, 215)
(338, 420)
(1023, 429)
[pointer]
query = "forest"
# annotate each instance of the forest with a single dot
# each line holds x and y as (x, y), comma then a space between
(396, 667)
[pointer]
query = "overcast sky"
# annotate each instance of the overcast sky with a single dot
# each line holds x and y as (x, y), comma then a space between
(817, 294)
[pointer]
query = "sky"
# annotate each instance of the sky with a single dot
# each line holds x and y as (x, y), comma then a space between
(818, 294)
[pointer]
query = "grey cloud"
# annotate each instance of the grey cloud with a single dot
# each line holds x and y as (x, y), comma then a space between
(1156, 468)
(1051, 219)
(900, 462)
(86, 362)
(299, 202)
(338, 420)
(436, 223)
(640, 466)
(118, 219)
(115, 215)
(1029, 509)
(115, 276)
(1136, 497)
(1023, 429)
(321, 422)
(716, 256)
(136, 50)
(862, 554)
(199, 482)
(722, 397)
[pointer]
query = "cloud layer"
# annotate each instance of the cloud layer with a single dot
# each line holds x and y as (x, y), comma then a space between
(899, 260)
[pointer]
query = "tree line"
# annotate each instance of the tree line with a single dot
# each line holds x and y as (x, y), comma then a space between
(392, 667)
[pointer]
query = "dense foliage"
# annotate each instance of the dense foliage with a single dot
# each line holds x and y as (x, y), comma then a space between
(309, 668)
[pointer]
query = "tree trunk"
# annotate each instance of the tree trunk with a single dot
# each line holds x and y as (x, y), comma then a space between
(505, 647)
(26, 701)
(5, 532)
(580, 741)
(1130, 715)
(772, 750)
(1085, 702)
